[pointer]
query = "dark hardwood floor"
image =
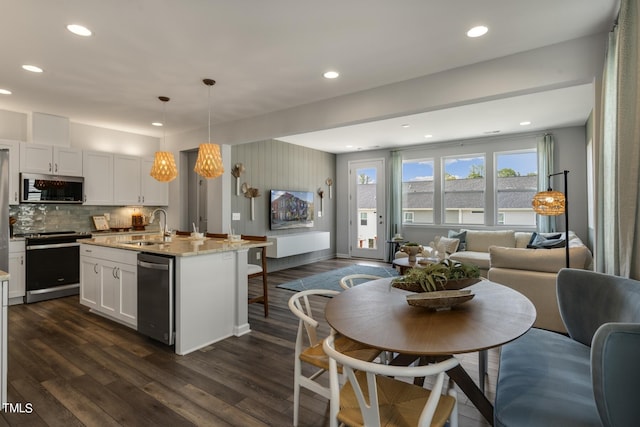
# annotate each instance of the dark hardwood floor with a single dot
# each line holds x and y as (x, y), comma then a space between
(69, 367)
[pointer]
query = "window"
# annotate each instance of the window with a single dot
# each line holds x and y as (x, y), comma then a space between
(363, 218)
(516, 183)
(417, 191)
(463, 196)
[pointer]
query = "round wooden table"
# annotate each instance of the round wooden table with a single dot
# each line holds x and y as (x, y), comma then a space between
(378, 315)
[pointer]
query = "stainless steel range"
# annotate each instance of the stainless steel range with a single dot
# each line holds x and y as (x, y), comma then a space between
(52, 264)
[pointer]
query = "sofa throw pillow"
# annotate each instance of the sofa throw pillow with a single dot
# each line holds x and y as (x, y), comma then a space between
(446, 245)
(461, 236)
(539, 241)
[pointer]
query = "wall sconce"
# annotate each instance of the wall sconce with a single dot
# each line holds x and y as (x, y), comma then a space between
(209, 162)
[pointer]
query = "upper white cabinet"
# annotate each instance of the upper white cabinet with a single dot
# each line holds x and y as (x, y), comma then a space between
(154, 192)
(132, 184)
(98, 178)
(14, 170)
(126, 180)
(48, 159)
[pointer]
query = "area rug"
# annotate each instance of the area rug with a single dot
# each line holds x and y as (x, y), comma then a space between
(331, 279)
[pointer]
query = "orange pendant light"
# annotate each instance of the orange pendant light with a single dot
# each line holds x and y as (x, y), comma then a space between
(209, 162)
(164, 165)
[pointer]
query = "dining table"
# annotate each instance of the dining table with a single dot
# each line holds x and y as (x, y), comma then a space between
(378, 315)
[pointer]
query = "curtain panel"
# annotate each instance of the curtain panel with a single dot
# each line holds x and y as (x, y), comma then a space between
(618, 154)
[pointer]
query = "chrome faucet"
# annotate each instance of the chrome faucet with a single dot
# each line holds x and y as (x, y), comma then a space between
(164, 232)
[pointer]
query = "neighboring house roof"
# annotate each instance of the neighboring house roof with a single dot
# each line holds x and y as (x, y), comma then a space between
(513, 193)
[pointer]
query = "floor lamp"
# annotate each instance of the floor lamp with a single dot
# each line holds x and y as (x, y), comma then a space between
(552, 203)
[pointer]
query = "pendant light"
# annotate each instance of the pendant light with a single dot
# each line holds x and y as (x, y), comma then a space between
(164, 165)
(209, 162)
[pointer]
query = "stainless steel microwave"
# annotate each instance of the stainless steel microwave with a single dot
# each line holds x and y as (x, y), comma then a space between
(37, 188)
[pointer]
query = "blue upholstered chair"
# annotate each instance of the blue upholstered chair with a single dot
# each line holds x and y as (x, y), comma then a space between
(591, 377)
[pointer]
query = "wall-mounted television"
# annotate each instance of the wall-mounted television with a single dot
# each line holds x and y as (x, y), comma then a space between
(291, 209)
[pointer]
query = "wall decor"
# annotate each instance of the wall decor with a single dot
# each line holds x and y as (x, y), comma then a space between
(238, 169)
(250, 193)
(329, 183)
(321, 194)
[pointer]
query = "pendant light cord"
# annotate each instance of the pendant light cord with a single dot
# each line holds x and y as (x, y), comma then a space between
(164, 100)
(209, 82)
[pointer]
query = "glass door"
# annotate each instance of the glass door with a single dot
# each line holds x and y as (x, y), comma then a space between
(367, 217)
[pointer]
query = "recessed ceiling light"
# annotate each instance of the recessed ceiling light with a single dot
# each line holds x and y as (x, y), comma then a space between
(428, 136)
(349, 146)
(5, 92)
(156, 124)
(405, 125)
(32, 68)
(526, 123)
(331, 75)
(478, 31)
(79, 30)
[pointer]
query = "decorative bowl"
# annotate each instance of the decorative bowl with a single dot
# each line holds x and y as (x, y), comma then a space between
(439, 300)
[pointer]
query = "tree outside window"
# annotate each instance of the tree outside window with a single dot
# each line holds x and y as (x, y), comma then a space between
(463, 189)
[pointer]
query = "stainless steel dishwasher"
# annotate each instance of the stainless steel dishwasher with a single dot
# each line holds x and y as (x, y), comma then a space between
(156, 297)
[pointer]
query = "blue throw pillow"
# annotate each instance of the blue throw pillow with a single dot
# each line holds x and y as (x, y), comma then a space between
(460, 235)
(539, 241)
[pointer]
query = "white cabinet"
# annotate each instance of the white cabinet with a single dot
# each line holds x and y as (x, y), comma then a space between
(48, 159)
(132, 184)
(154, 192)
(109, 282)
(89, 281)
(126, 180)
(98, 178)
(14, 169)
(17, 271)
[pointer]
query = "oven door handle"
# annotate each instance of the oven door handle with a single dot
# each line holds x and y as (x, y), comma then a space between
(52, 246)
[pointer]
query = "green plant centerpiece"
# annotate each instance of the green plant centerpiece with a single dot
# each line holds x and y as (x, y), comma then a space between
(444, 275)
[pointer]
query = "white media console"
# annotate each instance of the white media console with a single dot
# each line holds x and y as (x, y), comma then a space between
(285, 245)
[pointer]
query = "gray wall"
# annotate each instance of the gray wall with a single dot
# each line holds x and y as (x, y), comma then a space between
(277, 165)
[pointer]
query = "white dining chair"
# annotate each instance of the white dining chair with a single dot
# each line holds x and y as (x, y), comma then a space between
(353, 279)
(372, 397)
(310, 351)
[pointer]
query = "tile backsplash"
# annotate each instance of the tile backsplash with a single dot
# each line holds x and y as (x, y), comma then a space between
(51, 217)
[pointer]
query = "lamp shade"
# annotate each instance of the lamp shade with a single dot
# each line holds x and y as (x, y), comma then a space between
(209, 162)
(549, 203)
(164, 167)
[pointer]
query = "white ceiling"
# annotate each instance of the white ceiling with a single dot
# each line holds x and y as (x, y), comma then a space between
(269, 56)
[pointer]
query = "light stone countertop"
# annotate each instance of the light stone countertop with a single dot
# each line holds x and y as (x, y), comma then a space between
(4, 275)
(178, 246)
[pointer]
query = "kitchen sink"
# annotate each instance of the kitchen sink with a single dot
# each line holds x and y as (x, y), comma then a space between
(141, 242)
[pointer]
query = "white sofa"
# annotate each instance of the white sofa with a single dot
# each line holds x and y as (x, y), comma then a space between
(503, 257)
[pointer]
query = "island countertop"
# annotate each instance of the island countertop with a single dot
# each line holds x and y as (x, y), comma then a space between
(180, 246)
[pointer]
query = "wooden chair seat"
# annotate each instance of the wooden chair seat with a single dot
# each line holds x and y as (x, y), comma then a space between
(375, 398)
(399, 403)
(316, 356)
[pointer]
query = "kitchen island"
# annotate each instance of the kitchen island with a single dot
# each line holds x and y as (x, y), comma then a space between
(210, 283)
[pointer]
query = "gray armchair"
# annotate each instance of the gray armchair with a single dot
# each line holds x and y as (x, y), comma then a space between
(589, 378)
